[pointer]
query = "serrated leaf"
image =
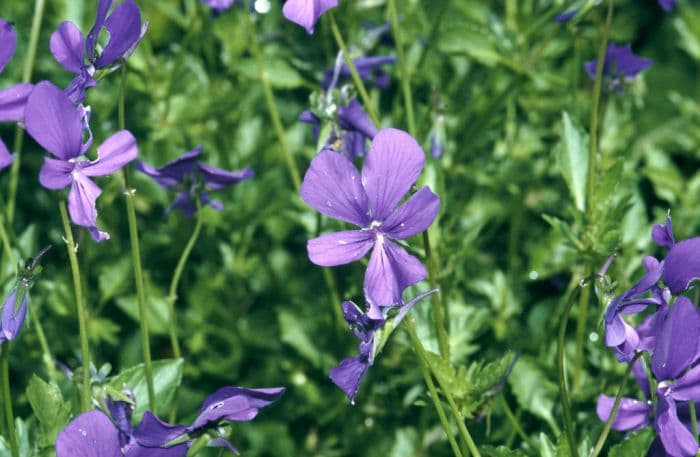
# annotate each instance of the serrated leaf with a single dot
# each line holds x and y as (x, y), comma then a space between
(572, 158)
(167, 376)
(49, 408)
(635, 445)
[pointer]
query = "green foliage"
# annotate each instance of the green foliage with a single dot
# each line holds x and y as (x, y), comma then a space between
(51, 411)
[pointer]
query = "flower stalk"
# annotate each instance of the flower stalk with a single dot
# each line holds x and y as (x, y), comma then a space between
(7, 399)
(80, 306)
(136, 257)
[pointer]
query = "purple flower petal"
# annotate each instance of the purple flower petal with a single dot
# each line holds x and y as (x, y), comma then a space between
(136, 450)
(68, 46)
(393, 164)
(153, 432)
(332, 186)
(5, 157)
(216, 178)
(667, 5)
(173, 172)
(13, 101)
(124, 27)
(663, 234)
(414, 216)
(184, 203)
(13, 316)
(349, 373)
(687, 387)
(8, 38)
(632, 414)
(306, 12)
(56, 174)
(91, 434)
(81, 201)
(676, 438)
(682, 265)
(339, 248)
(219, 5)
(116, 151)
(235, 404)
(619, 61)
(102, 10)
(391, 269)
(676, 347)
(53, 121)
(354, 117)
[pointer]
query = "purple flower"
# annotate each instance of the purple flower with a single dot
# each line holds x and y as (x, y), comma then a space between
(8, 38)
(369, 69)
(367, 328)
(306, 12)
(78, 54)
(194, 180)
(353, 130)
(14, 311)
(333, 187)
(620, 64)
(682, 263)
(667, 5)
(57, 125)
(14, 98)
(674, 365)
(219, 6)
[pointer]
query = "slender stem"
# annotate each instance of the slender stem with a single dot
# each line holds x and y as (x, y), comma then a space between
(581, 321)
(563, 392)
(420, 350)
(405, 73)
(514, 422)
(136, 258)
(172, 294)
(353, 70)
(7, 399)
(80, 306)
(436, 300)
(693, 418)
(593, 130)
(291, 165)
(272, 108)
(45, 349)
(7, 246)
(618, 398)
(19, 132)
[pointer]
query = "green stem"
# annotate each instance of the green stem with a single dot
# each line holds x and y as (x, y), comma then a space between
(581, 321)
(436, 300)
(403, 65)
(366, 101)
(272, 108)
(172, 293)
(19, 132)
(136, 257)
(563, 392)
(514, 422)
(291, 165)
(618, 398)
(7, 248)
(80, 306)
(693, 418)
(45, 350)
(420, 350)
(7, 399)
(593, 130)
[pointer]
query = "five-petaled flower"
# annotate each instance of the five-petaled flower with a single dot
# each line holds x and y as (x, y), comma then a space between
(58, 126)
(306, 12)
(78, 54)
(194, 180)
(333, 187)
(620, 65)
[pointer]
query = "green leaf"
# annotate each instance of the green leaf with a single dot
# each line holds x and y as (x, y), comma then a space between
(49, 408)
(501, 451)
(156, 307)
(167, 376)
(635, 445)
(534, 392)
(572, 158)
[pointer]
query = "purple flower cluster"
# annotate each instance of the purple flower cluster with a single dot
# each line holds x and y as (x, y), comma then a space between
(620, 65)
(671, 334)
(95, 434)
